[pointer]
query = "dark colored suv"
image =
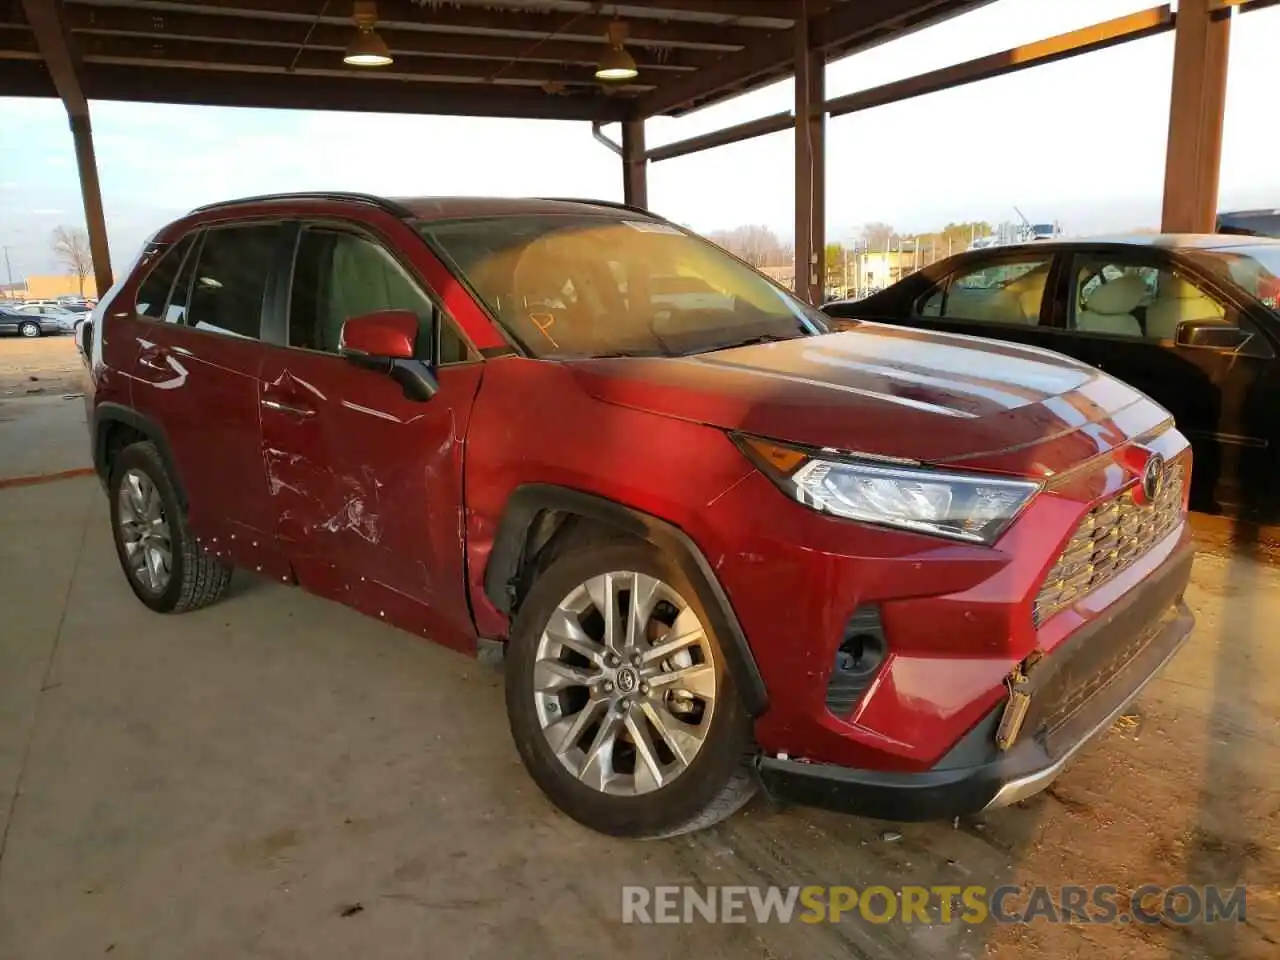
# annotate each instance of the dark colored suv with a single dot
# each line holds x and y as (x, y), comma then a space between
(882, 570)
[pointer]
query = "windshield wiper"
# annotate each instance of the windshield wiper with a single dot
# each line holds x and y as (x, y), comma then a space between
(745, 342)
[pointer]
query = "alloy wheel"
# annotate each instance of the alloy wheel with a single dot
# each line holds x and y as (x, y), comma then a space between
(144, 531)
(30, 329)
(625, 683)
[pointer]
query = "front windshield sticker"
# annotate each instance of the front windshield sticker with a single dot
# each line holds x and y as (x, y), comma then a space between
(649, 226)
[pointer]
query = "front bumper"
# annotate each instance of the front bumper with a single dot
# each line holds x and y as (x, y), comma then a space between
(1080, 698)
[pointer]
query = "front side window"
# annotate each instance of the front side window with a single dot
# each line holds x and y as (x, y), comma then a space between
(154, 290)
(1003, 292)
(338, 275)
(230, 279)
(584, 285)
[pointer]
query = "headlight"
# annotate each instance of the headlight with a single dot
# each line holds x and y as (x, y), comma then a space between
(972, 507)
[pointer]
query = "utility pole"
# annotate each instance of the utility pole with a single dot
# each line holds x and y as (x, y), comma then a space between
(8, 269)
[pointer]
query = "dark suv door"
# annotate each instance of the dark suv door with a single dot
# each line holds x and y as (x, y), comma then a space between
(1121, 311)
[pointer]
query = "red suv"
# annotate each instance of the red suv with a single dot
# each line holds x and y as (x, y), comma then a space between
(886, 571)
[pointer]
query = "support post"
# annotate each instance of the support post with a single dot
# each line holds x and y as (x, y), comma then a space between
(635, 165)
(811, 179)
(91, 196)
(1196, 108)
(47, 19)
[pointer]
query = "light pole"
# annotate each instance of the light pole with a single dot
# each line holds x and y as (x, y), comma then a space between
(8, 269)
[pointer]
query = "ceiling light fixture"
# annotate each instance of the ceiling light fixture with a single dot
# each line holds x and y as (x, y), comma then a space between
(616, 64)
(366, 48)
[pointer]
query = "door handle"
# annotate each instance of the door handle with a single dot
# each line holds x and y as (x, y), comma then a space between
(289, 408)
(157, 358)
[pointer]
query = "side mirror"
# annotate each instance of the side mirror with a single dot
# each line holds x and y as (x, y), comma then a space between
(384, 340)
(383, 335)
(1215, 334)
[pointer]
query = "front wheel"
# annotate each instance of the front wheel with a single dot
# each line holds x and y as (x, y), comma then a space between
(29, 328)
(619, 698)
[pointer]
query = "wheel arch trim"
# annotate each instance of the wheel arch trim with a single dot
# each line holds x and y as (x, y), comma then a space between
(529, 500)
(106, 413)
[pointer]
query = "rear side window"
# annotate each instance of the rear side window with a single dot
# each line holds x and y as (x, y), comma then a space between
(154, 290)
(230, 279)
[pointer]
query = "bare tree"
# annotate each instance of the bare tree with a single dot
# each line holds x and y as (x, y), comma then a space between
(71, 247)
(756, 244)
(877, 235)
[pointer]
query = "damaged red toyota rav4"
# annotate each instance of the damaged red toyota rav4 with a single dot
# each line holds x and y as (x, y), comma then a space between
(885, 571)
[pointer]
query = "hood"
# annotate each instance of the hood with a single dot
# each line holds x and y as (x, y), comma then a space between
(893, 391)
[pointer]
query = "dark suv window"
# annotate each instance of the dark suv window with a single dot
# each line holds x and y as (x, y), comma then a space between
(339, 275)
(154, 290)
(231, 279)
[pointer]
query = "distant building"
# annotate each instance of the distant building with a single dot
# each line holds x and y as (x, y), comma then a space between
(48, 287)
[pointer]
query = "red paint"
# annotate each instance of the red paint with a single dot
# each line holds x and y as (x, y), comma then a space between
(392, 505)
(387, 333)
(31, 481)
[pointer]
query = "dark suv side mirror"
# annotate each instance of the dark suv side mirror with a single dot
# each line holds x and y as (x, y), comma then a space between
(385, 340)
(1215, 334)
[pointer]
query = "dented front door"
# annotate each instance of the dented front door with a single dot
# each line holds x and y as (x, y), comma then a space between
(367, 486)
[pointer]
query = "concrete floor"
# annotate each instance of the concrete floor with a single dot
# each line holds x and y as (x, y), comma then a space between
(238, 781)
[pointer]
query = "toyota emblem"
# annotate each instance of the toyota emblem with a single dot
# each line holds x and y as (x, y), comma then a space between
(1153, 477)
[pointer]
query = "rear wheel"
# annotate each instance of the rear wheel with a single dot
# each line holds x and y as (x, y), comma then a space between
(619, 698)
(166, 568)
(29, 328)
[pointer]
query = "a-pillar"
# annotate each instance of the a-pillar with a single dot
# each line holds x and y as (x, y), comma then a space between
(811, 169)
(1197, 105)
(635, 165)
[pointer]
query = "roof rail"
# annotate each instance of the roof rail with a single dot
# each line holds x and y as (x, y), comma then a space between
(614, 204)
(382, 203)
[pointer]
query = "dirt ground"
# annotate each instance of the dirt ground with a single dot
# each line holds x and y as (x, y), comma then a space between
(40, 366)
(278, 776)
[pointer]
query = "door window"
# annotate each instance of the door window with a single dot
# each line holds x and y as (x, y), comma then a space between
(338, 275)
(1138, 301)
(154, 290)
(1009, 291)
(230, 279)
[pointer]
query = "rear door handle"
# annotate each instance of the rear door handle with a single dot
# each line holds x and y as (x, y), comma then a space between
(289, 408)
(155, 357)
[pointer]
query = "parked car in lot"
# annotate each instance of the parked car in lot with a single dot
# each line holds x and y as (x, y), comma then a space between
(26, 324)
(1253, 223)
(1193, 322)
(887, 571)
(66, 318)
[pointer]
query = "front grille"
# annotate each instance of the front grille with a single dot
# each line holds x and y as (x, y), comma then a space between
(1112, 536)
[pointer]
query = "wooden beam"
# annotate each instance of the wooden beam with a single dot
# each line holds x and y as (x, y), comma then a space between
(226, 57)
(1197, 105)
(295, 34)
(294, 92)
(54, 42)
(1145, 23)
(845, 26)
(749, 9)
(635, 181)
(536, 24)
(774, 123)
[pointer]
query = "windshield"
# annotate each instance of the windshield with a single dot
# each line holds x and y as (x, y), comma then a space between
(582, 285)
(1255, 268)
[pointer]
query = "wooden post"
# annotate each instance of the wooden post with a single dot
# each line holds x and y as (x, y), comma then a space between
(91, 195)
(635, 172)
(1197, 104)
(811, 179)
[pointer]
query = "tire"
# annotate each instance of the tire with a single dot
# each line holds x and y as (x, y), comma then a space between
(29, 328)
(195, 578)
(667, 795)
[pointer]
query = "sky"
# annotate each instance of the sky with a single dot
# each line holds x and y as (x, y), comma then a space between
(1080, 141)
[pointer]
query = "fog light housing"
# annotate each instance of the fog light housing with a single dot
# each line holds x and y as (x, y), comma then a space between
(861, 654)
